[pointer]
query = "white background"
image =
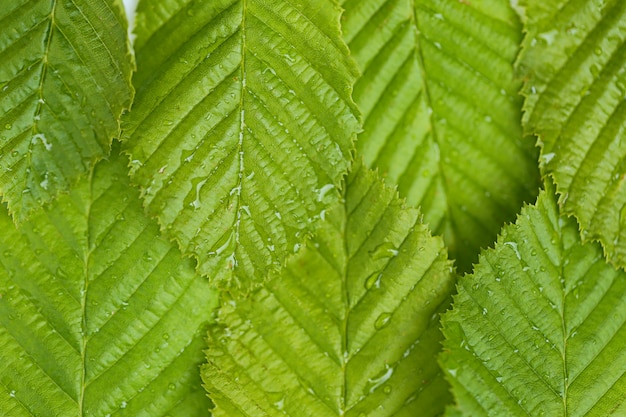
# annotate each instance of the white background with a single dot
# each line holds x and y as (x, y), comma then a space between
(130, 6)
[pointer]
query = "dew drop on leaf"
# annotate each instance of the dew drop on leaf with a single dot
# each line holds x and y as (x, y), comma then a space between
(382, 321)
(373, 280)
(61, 273)
(384, 250)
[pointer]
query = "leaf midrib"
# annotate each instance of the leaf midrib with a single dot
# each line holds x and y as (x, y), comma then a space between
(345, 296)
(563, 323)
(87, 251)
(40, 101)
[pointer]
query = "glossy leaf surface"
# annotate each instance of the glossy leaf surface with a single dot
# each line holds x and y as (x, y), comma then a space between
(99, 315)
(351, 327)
(242, 127)
(442, 112)
(64, 81)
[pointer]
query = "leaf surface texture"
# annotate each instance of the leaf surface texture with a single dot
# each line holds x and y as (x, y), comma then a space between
(441, 112)
(64, 81)
(98, 314)
(351, 326)
(574, 63)
(242, 127)
(539, 328)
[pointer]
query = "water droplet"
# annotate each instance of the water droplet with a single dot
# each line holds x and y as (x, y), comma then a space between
(384, 250)
(373, 280)
(197, 184)
(8, 126)
(166, 336)
(595, 70)
(387, 389)
(44, 141)
(280, 404)
(548, 37)
(382, 321)
(513, 246)
(380, 380)
(321, 193)
(171, 387)
(224, 243)
(187, 155)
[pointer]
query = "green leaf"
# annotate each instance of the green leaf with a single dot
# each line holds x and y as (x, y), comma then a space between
(64, 82)
(242, 127)
(442, 112)
(98, 314)
(350, 328)
(539, 328)
(574, 64)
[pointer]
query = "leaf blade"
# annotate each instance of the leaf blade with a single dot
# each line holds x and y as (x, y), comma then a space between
(66, 69)
(373, 277)
(580, 60)
(100, 315)
(539, 320)
(424, 63)
(239, 172)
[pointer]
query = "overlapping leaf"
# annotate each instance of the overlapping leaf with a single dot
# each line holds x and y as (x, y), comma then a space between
(350, 328)
(242, 126)
(442, 111)
(539, 328)
(98, 314)
(574, 62)
(64, 81)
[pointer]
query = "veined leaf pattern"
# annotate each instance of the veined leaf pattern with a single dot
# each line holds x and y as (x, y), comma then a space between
(442, 112)
(64, 82)
(98, 314)
(538, 329)
(351, 326)
(574, 63)
(242, 127)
